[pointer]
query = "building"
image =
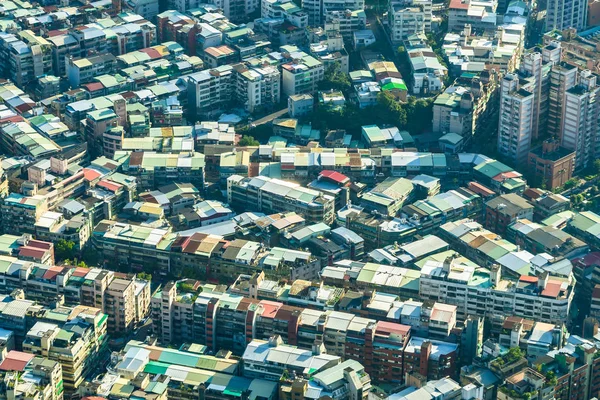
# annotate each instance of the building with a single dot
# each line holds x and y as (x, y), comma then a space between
(151, 168)
(274, 195)
(29, 376)
(580, 127)
(562, 16)
(84, 70)
(99, 133)
(478, 291)
(318, 10)
(428, 74)
(408, 18)
(537, 66)
(563, 76)
(479, 15)
(151, 371)
(515, 128)
(431, 358)
(211, 90)
(526, 382)
(20, 213)
(346, 381)
(551, 164)
(269, 359)
(214, 57)
(302, 75)
(28, 56)
(453, 112)
(78, 344)
(257, 88)
(442, 389)
(119, 305)
(504, 210)
(574, 369)
(388, 197)
(299, 105)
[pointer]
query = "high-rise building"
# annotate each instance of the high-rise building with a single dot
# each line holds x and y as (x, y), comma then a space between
(581, 125)
(563, 76)
(563, 14)
(516, 118)
(534, 67)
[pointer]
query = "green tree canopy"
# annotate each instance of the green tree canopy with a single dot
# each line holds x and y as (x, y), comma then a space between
(248, 141)
(64, 249)
(335, 79)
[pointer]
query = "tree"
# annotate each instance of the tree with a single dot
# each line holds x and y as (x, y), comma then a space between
(419, 114)
(64, 249)
(571, 183)
(248, 141)
(335, 79)
(514, 354)
(144, 276)
(90, 256)
(390, 111)
(259, 132)
(596, 167)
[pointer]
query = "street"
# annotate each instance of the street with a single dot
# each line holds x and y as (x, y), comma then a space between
(270, 117)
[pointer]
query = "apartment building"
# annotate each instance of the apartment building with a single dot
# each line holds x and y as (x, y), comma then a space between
(79, 344)
(122, 299)
(257, 88)
(20, 213)
(29, 376)
(430, 358)
(178, 374)
(346, 381)
(428, 73)
(562, 15)
(211, 90)
(96, 124)
(119, 305)
(480, 15)
(576, 368)
(551, 164)
(136, 246)
(388, 197)
(346, 22)
(302, 75)
(299, 105)
(63, 47)
(261, 360)
(580, 128)
(537, 66)
(506, 209)
(158, 169)
(84, 70)
(482, 292)
(329, 6)
(563, 76)
(453, 112)
(91, 38)
(273, 196)
(223, 320)
(408, 18)
(21, 139)
(317, 10)
(214, 57)
(515, 128)
(27, 56)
